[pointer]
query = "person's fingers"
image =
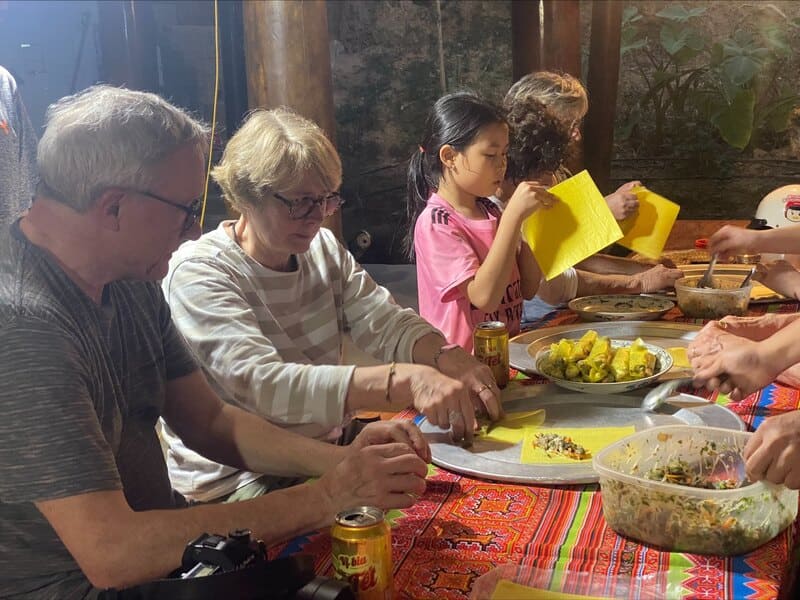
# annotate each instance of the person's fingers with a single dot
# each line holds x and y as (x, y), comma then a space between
(418, 441)
(753, 444)
(457, 425)
(440, 413)
(405, 463)
(467, 410)
(778, 467)
(757, 464)
(489, 395)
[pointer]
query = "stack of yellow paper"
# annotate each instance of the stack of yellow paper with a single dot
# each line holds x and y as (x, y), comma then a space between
(647, 231)
(580, 225)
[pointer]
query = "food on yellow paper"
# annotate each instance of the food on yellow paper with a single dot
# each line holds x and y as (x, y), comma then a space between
(679, 357)
(593, 359)
(553, 443)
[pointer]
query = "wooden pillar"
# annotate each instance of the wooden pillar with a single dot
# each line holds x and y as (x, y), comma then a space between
(561, 45)
(526, 39)
(289, 64)
(602, 84)
(127, 36)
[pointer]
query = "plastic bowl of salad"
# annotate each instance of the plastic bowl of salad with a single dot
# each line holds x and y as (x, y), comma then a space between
(684, 489)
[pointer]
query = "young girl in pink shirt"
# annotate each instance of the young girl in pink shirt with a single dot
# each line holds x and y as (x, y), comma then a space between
(471, 264)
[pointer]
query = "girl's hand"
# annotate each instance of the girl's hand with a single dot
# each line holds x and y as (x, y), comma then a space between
(529, 197)
(731, 240)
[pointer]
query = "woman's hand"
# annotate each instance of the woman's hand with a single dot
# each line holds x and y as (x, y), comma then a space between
(529, 197)
(623, 202)
(477, 378)
(753, 328)
(773, 453)
(445, 401)
(657, 278)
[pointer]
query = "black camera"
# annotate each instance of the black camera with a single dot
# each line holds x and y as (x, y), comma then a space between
(215, 566)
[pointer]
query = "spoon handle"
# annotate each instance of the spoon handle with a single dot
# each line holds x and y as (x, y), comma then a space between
(747, 279)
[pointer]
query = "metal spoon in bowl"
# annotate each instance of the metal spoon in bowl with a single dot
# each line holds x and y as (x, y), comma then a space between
(706, 281)
(659, 394)
(747, 279)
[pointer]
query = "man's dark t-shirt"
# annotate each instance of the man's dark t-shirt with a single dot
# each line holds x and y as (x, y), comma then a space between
(81, 388)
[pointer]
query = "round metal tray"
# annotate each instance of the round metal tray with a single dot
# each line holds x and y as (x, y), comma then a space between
(620, 307)
(498, 461)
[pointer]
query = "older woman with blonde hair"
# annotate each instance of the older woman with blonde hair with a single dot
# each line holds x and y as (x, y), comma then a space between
(266, 300)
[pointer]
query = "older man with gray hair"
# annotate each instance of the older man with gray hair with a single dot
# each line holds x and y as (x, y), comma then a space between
(89, 360)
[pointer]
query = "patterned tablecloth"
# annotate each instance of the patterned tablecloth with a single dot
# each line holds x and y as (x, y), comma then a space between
(556, 537)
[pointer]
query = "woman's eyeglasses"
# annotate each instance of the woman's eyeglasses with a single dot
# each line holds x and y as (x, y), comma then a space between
(303, 207)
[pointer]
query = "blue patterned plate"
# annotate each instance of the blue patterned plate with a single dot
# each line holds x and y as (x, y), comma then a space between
(620, 307)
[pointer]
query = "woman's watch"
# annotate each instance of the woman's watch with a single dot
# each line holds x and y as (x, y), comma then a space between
(441, 351)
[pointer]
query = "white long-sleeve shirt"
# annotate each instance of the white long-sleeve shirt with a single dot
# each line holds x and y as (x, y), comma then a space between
(271, 342)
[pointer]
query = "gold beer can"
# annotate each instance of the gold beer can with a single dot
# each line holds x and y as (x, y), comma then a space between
(361, 552)
(490, 343)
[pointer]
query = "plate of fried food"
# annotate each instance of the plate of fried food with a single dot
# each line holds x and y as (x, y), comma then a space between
(601, 365)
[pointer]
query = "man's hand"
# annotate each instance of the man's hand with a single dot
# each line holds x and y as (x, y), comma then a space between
(623, 202)
(385, 475)
(730, 364)
(385, 432)
(773, 453)
(657, 278)
(731, 240)
(477, 378)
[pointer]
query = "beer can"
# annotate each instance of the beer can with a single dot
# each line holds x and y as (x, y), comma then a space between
(361, 549)
(490, 343)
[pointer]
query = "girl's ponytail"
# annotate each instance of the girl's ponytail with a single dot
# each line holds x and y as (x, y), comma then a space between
(419, 189)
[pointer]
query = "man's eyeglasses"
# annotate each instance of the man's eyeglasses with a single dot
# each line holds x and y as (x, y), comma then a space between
(303, 207)
(192, 210)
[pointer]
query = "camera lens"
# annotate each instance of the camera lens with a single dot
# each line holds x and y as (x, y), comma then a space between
(322, 588)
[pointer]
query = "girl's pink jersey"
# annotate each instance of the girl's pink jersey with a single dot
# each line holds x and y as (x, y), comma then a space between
(449, 249)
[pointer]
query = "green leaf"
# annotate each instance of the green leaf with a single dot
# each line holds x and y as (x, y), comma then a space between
(677, 13)
(740, 69)
(775, 115)
(735, 123)
(630, 14)
(673, 38)
(716, 56)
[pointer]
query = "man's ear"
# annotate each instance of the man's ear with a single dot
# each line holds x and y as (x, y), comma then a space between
(447, 155)
(107, 208)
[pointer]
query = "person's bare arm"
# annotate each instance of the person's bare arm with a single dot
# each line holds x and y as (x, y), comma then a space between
(606, 264)
(730, 240)
(651, 280)
(117, 547)
(231, 436)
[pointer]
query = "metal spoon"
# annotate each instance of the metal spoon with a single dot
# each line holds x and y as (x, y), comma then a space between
(706, 281)
(747, 279)
(659, 394)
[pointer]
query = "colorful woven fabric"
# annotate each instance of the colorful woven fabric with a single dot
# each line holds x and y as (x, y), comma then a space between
(556, 537)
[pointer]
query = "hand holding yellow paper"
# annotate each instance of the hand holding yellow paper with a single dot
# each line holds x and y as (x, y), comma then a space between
(648, 230)
(580, 225)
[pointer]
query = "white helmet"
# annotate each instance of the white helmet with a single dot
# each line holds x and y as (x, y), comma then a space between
(779, 208)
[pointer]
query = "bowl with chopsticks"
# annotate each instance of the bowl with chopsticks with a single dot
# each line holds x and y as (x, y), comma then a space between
(599, 365)
(725, 297)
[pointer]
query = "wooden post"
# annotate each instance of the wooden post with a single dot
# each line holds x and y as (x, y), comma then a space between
(289, 63)
(602, 84)
(127, 36)
(561, 47)
(526, 39)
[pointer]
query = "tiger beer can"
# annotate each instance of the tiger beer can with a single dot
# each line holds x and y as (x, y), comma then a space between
(490, 343)
(361, 548)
